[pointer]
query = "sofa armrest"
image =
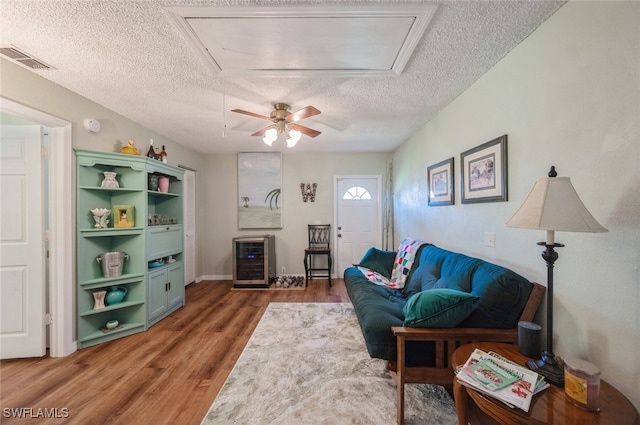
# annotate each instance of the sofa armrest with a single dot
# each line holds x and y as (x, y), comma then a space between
(446, 341)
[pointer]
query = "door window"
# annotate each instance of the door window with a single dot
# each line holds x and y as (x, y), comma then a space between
(357, 193)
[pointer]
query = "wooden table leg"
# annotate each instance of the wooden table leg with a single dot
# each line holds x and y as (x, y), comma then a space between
(460, 397)
(400, 381)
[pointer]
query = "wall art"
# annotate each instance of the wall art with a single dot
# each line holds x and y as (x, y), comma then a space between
(440, 183)
(308, 191)
(260, 190)
(484, 172)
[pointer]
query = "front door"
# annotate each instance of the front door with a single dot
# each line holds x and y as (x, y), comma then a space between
(22, 279)
(358, 218)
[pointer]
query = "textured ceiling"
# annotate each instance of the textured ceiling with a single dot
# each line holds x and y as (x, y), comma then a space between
(131, 57)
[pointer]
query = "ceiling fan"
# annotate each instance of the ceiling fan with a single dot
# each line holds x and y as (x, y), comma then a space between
(284, 121)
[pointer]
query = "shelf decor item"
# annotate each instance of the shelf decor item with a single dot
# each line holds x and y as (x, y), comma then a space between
(153, 182)
(98, 298)
(553, 205)
(163, 184)
(109, 181)
(112, 263)
(123, 216)
(130, 149)
(101, 217)
(115, 295)
(112, 324)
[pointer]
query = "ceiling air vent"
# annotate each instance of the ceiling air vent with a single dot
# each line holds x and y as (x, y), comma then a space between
(16, 55)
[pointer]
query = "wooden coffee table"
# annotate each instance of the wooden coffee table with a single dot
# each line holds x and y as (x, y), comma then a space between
(547, 407)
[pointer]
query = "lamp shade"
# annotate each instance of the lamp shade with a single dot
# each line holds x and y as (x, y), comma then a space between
(553, 204)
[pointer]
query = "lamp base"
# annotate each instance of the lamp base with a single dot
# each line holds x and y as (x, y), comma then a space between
(548, 367)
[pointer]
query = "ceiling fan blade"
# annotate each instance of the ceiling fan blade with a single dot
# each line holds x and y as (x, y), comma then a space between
(304, 130)
(307, 112)
(251, 114)
(263, 131)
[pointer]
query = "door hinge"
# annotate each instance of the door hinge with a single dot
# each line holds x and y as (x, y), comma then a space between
(48, 319)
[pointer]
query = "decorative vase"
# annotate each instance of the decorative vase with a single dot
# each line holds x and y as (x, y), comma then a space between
(101, 217)
(98, 298)
(116, 295)
(110, 181)
(112, 324)
(153, 182)
(163, 184)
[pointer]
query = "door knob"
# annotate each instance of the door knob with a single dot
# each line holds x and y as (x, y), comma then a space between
(339, 227)
(339, 235)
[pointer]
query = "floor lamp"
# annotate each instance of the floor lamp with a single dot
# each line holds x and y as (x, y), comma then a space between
(553, 205)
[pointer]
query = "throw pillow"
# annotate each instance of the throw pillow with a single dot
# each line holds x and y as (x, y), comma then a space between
(438, 308)
(378, 261)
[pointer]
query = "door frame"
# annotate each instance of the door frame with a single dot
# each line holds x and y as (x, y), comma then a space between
(61, 225)
(378, 178)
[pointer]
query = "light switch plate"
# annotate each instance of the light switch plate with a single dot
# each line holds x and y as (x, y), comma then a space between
(490, 239)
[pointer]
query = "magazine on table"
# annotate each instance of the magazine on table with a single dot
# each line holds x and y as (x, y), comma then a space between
(541, 384)
(516, 393)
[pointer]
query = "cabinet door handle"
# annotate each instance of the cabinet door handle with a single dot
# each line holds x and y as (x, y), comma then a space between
(168, 228)
(169, 283)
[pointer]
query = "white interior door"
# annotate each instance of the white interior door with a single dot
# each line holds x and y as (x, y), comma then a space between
(358, 218)
(189, 211)
(22, 280)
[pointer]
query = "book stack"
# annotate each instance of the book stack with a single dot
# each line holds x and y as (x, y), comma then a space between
(500, 378)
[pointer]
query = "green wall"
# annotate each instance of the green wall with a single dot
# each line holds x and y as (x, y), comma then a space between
(569, 96)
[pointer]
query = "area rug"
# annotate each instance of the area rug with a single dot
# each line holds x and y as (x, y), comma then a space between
(306, 363)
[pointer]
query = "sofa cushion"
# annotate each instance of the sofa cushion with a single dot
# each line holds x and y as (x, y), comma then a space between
(378, 309)
(379, 261)
(503, 293)
(438, 308)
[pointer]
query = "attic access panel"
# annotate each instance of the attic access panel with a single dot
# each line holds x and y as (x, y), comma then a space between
(303, 41)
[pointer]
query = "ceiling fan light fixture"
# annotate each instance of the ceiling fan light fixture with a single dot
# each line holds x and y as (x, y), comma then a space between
(270, 136)
(294, 136)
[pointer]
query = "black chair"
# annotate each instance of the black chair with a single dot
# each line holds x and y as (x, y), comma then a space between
(319, 237)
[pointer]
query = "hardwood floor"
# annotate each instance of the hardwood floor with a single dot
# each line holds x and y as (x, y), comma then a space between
(168, 375)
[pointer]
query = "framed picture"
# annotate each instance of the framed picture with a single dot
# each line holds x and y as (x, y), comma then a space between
(440, 182)
(484, 172)
(259, 190)
(123, 216)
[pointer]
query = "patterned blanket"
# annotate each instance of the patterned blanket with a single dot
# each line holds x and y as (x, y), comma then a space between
(405, 257)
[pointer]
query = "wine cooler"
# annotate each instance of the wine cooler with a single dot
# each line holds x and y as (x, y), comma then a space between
(254, 261)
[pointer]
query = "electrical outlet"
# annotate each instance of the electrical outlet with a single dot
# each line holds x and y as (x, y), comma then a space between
(284, 269)
(490, 239)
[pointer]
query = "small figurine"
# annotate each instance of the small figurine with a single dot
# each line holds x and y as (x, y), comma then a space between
(130, 149)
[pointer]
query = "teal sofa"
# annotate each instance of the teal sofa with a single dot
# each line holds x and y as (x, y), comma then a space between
(448, 299)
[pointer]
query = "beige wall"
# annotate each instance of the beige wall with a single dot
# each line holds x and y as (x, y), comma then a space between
(29, 89)
(568, 96)
(220, 202)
